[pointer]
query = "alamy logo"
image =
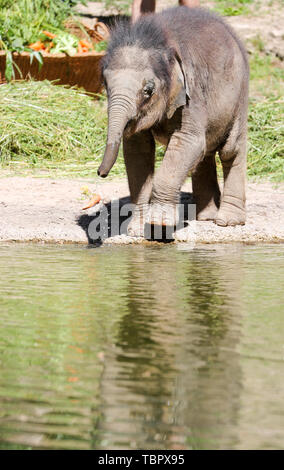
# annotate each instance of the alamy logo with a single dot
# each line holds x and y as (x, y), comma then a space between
(113, 220)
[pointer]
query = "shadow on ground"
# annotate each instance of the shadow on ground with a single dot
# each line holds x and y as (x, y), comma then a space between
(112, 219)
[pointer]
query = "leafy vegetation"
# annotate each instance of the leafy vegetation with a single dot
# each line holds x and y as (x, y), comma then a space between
(35, 16)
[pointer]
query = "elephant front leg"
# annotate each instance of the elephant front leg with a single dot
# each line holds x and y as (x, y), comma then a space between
(139, 157)
(182, 155)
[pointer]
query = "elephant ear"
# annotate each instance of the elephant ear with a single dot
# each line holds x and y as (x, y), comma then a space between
(179, 95)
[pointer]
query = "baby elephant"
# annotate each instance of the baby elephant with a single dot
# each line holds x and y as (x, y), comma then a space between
(180, 77)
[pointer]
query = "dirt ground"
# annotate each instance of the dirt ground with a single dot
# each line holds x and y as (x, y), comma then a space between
(39, 209)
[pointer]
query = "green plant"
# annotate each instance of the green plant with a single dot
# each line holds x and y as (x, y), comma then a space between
(65, 42)
(101, 46)
(35, 15)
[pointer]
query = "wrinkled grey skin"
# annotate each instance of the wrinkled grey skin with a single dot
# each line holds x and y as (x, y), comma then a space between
(203, 110)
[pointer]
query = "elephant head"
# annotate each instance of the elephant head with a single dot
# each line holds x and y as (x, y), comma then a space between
(145, 82)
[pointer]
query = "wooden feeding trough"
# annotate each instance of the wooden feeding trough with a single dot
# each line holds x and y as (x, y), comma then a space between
(82, 69)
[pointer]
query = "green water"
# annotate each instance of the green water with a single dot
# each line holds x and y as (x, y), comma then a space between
(141, 347)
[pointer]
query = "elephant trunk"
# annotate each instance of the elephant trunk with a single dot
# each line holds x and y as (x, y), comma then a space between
(110, 156)
(120, 111)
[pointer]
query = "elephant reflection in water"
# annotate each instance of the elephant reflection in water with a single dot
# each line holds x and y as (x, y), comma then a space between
(173, 379)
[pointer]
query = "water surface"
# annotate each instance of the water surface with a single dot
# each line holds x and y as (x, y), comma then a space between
(141, 347)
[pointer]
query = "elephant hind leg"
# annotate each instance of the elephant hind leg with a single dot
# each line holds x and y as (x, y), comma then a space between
(206, 188)
(233, 157)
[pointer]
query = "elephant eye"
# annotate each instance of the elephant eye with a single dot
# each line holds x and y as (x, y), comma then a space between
(149, 88)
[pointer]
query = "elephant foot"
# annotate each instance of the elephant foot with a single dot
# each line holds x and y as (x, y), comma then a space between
(136, 225)
(135, 228)
(163, 214)
(208, 213)
(229, 215)
(161, 222)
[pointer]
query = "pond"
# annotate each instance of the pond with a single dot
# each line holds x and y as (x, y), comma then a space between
(141, 347)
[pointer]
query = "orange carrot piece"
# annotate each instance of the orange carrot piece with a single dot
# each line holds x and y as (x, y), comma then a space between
(92, 202)
(86, 44)
(37, 46)
(49, 35)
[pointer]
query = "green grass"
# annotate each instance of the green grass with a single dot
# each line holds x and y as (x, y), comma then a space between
(266, 139)
(233, 7)
(52, 130)
(266, 118)
(50, 127)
